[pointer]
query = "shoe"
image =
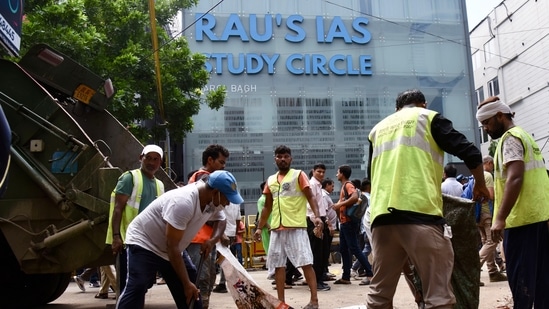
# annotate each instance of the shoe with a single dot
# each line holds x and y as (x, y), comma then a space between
(286, 286)
(497, 277)
(327, 278)
(364, 281)
(354, 274)
(297, 278)
(220, 288)
(311, 306)
(330, 275)
(79, 283)
(102, 295)
(94, 284)
(161, 281)
(342, 281)
(321, 286)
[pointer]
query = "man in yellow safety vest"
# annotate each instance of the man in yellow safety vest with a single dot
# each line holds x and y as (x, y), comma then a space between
(135, 190)
(406, 149)
(521, 205)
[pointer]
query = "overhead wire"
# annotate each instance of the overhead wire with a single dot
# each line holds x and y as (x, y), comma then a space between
(435, 35)
(190, 25)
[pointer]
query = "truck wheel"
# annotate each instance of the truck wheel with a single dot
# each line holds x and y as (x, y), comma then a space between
(18, 289)
(35, 290)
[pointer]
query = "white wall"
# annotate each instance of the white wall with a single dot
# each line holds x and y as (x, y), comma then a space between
(520, 29)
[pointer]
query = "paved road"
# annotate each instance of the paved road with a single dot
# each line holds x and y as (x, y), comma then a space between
(492, 295)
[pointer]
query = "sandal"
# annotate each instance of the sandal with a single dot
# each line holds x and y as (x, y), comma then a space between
(311, 306)
(342, 281)
(102, 295)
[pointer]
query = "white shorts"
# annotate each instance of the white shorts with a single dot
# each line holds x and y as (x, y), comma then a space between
(292, 244)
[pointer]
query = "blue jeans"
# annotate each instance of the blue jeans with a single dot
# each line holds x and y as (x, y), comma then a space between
(142, 267)
(237, 250)
(348, 244)
(367, 249)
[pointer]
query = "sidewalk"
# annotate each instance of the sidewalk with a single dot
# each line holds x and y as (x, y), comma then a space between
(492, 295)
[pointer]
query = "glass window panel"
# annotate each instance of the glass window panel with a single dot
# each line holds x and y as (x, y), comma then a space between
(479, 95)
(321, 115)
(493, 87)
(421, 10)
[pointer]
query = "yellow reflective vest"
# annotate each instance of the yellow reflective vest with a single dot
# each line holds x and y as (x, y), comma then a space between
(132, 207)
(407, 164)
(289, 202)
(532, 204)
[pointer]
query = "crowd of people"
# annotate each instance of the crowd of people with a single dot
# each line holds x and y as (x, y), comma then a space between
(174, 233)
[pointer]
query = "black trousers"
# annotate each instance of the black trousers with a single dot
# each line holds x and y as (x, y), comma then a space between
(320, 248)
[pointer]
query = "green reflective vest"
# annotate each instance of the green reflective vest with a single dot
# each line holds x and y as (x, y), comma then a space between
(132, 207)
(289, 202)
(532, 204)
(406, 164)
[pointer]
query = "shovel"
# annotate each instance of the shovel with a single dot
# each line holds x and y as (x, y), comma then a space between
(198, 270)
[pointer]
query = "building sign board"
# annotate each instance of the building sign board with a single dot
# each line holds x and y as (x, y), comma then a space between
(11, 17)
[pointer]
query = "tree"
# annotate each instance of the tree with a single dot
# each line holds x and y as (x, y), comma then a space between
(112, 38)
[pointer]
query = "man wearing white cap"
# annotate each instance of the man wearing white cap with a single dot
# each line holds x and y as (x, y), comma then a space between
(521, 205)
(135, 190)
(158, 235)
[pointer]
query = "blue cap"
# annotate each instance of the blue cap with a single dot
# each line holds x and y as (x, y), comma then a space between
(226, 184)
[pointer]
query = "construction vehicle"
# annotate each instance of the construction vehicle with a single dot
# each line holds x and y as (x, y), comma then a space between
(67, 152)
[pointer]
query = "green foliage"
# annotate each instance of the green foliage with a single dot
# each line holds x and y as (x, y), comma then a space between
(112, 38)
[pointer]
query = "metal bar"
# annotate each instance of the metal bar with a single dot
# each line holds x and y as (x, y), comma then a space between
(38, 178)
(198, 270)
(39, 120)
(64, 235)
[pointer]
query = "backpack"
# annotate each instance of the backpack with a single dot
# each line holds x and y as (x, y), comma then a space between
(357, 211)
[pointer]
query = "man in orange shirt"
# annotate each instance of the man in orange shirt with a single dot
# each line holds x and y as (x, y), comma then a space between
(348, 229)
(213, 159)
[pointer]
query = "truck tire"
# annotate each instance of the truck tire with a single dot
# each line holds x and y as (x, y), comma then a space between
(20, 290)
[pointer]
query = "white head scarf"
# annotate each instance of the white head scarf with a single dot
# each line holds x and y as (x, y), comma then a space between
(489, 110)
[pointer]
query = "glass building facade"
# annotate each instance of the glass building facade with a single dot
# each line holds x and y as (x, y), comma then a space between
(317, 75)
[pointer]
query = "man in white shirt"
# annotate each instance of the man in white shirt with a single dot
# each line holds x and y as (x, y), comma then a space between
(450, 185)
(232, 214)
(158, 235)
(318, 245)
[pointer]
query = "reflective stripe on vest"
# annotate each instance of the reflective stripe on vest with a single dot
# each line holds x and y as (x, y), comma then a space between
(132, 206)
(531, 205)
(289, 202)
(418, 140)
(405, 155)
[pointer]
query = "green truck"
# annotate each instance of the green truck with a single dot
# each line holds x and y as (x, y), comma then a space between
(66, 154)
